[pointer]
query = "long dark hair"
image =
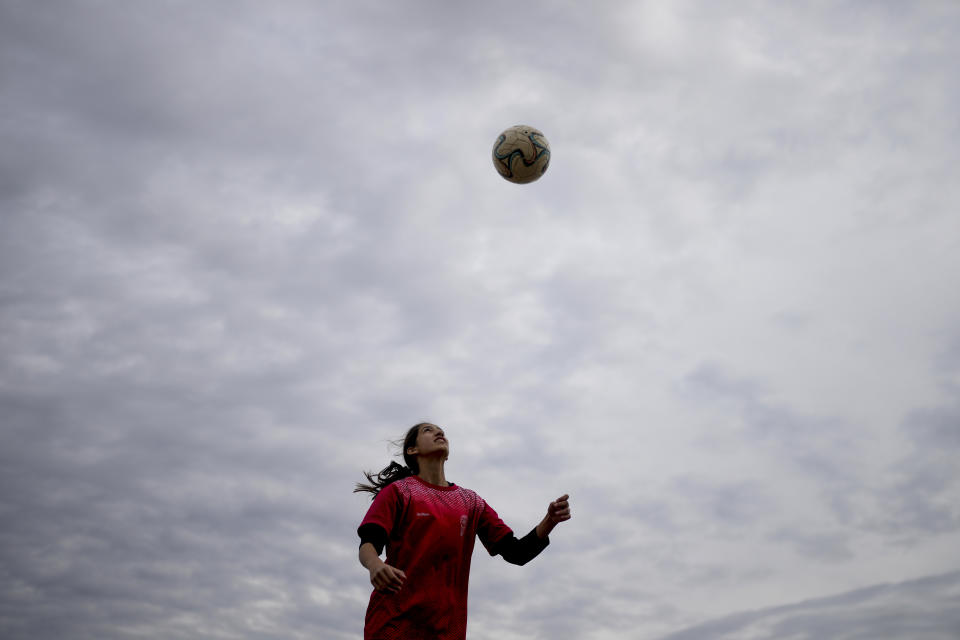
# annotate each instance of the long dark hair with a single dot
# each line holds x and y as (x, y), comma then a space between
(393, 471)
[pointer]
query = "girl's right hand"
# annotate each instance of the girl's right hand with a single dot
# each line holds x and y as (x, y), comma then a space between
(386, 578)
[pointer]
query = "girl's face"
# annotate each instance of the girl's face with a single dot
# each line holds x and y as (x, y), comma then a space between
(431, 441)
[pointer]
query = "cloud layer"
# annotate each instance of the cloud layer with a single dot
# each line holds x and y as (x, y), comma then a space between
(244, 246)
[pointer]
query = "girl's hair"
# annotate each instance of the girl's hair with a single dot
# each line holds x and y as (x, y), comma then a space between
(393, 471)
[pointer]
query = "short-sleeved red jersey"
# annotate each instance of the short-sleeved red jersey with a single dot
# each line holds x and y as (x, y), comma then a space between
(431, 532)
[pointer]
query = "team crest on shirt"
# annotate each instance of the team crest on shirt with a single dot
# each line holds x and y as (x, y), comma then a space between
(463, 525)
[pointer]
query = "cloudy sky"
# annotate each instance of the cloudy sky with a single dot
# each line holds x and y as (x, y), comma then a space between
(245, 244)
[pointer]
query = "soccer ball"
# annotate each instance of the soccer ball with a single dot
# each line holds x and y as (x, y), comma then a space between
(521, 154)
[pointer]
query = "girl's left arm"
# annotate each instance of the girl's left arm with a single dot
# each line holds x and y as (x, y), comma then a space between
(557, 511)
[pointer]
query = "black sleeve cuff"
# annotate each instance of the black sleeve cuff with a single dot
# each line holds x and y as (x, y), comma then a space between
(374, 534)
(522, 551)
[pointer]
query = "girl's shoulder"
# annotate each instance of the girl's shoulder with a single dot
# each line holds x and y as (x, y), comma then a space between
(414, 486)
(404, 486)
(472, 499)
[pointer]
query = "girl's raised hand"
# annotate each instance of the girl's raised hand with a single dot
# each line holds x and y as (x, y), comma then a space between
(559, 510)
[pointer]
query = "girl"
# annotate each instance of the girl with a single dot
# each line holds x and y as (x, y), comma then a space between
(428, 526)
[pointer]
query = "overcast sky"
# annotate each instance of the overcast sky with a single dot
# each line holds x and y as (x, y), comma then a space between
(245, 244)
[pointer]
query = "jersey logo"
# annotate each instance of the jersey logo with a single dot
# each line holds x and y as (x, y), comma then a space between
(423, 514)
(463, 525)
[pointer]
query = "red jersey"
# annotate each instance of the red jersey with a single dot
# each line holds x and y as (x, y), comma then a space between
(430, 537)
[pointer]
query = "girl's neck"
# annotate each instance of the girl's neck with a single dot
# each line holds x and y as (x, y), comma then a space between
(431, 471)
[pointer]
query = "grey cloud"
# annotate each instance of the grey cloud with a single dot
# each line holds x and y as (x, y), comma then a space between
(796, 435)
(709, 381)
(913, 498)
(730, 504)
(921, 494)
(821, 546)
(937, 428)
(925, 608)
(179, 525)
(947, 361)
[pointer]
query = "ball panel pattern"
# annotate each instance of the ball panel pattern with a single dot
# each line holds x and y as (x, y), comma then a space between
(521, 154)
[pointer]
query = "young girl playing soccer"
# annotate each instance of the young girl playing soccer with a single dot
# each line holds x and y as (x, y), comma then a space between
(428, 526)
